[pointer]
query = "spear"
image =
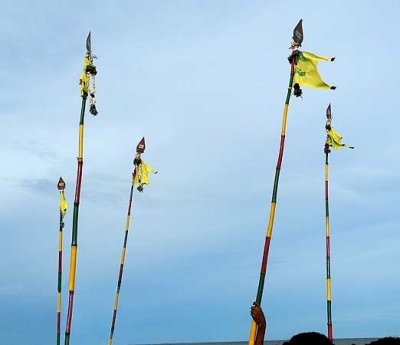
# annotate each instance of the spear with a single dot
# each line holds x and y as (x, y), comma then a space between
(333, 139)
(63, 210)
(303, 72)
(327, 229)
(88, 88)
(297, 40)
(139, 176)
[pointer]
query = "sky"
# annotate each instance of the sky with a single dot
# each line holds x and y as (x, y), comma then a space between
(205, 82)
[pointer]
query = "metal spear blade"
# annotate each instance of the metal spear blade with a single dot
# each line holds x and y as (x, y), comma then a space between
(61, 184)
(141, 146)
(298, 33)
(89, 43)
(329, 112)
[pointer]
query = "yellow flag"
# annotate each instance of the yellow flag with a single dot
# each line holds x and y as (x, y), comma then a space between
(63, 204)
(83, 80)
(142, 174)
(335, 140)
(306, 71)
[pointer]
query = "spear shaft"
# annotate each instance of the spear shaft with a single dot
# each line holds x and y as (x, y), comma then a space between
(328, 251)
(74, 243)
(121, 267)
(264, 262)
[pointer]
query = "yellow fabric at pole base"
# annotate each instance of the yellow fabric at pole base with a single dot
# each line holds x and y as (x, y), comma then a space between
(306, 71)
(253, 331)
(72, 268)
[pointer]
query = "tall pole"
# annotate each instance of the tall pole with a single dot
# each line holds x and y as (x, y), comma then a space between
(121, 267)
(61, 187)
(327, 229)
(297, 39)
(139, 150)
(88, 74)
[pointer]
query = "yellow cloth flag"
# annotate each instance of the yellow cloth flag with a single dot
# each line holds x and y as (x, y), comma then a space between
(306, 71)
(142, 174)
(63, 204)
(83, 80)
(335, 140)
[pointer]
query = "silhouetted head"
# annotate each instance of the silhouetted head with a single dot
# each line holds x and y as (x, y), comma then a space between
(309, 338)
(386, 341)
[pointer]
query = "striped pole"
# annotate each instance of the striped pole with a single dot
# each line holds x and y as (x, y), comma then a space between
(61, 187)
(327, 228)
(328, 255)
(139, 150)
(88, 73)
(121, 267)
(264, 262)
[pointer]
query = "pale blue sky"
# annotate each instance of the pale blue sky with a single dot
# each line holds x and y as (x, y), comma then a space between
(204, 82)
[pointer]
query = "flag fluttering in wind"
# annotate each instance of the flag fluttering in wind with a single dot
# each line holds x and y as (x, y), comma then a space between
(142, 174)
(334, 139)
(63, 204)
(306, 71)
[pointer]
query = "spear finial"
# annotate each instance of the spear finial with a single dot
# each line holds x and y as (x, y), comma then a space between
(89, 43)
(141, 146)
(61, 184)
(298, 34)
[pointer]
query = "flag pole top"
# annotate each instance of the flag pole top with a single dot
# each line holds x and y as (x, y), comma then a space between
(297, 35)
(297, 39)
(61, 184)
(141, 146)
(89, 43)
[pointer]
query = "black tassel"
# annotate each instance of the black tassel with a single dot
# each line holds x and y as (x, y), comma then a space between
(297, 90)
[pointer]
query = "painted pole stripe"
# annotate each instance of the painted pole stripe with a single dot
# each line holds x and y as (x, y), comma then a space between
(121, 267)
(72, 270)
(78, 181)
(273, 204)
(271, 219)
(81, 129)
(69, 313)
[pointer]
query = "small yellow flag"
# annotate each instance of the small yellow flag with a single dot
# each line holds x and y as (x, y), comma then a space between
(63, 204)
(83, 81)
(335, 140)
(306, 71)
(142, 174)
